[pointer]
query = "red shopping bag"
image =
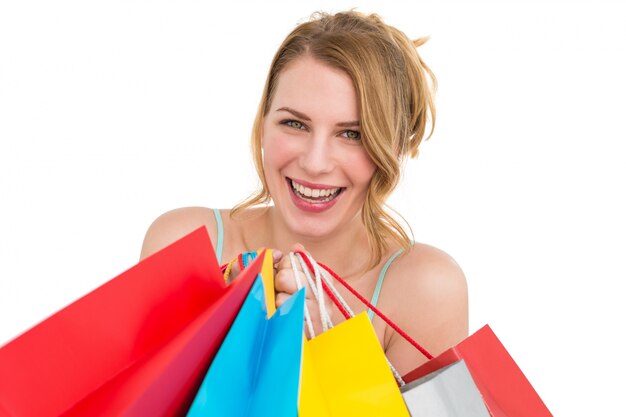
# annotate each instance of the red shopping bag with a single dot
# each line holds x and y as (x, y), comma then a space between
(136, 346)
(504, 388)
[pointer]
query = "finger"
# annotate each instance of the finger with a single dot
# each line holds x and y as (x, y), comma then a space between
(281, 297)
(277, 255)
(304, 276)
(285, 281)
(284, 262)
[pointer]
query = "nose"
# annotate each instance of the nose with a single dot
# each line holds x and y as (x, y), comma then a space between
(317, 156)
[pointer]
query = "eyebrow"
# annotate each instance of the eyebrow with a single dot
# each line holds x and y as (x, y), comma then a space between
(308, 119)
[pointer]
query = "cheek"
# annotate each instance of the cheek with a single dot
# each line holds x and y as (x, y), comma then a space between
(363, 168)
(276, 154)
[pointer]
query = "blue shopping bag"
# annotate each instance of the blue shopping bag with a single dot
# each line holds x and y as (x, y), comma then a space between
(256, 372)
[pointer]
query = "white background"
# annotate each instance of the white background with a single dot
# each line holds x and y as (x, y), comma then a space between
(114, 112)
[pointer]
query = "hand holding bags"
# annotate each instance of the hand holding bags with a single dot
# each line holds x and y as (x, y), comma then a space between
(136, 346)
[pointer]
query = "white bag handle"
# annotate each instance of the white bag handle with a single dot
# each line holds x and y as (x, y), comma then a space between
(319, 296)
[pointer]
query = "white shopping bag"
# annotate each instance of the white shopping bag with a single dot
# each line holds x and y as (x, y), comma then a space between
(447, 392)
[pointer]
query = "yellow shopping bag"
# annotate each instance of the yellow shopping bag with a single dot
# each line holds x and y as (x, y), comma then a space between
(344, 372)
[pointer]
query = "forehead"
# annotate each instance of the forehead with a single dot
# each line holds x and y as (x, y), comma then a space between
(316, 89)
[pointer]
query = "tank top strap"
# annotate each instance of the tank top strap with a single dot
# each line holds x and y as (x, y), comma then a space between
(219, 245)
(381, 279)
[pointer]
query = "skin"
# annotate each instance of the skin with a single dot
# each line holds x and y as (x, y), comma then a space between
(309, 136)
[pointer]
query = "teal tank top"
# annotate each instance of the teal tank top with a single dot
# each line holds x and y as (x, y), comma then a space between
(379, 283)
(219, 245)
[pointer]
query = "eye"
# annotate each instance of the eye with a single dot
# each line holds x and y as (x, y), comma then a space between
(352, 134)
(293, 123)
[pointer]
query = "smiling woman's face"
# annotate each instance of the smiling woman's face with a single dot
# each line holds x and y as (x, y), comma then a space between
(316, 168)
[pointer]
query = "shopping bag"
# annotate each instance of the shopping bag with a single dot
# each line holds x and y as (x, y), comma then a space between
(345, 373)
(504, 388)
(256, 371)
(447, 392)
(344, 369)
(136, 346)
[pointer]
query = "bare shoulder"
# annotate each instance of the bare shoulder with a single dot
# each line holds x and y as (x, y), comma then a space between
(429, 273)
(426, 294)
(175, 224)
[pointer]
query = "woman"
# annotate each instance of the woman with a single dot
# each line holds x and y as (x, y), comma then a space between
(347, 99)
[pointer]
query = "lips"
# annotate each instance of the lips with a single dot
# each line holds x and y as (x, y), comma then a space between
(313, 197)
(314, 194)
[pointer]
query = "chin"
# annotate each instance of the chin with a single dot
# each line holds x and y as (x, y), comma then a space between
(308, 227)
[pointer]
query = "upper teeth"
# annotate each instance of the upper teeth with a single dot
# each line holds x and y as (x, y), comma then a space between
(313, 192)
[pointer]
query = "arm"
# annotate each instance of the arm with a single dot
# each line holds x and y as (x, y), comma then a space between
(426, 295)
(175, 224)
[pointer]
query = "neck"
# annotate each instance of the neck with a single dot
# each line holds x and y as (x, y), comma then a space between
(346, 251)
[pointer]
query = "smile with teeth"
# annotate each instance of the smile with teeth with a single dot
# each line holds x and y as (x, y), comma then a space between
(314, 195)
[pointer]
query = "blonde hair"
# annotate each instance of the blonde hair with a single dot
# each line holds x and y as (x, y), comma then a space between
(395, 90)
